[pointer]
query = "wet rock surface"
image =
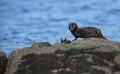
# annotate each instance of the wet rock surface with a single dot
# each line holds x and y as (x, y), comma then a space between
(3, 62)
(89, 56)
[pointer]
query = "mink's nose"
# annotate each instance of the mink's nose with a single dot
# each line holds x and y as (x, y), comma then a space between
(71, 27)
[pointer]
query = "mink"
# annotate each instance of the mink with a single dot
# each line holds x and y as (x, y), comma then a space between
(85, 32)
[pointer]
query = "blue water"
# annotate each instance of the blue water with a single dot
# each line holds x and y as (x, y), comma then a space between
(24, 22)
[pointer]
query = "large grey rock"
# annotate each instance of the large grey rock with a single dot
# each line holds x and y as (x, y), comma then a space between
(3, 62)
(96, 44)
(41, 44)
(101, 55)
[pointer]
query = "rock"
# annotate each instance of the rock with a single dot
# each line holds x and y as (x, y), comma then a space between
(42, 44)
(3, 62)
(89, 56)
(82, 63)
(116, 72)
(117, 59)
(96, 44)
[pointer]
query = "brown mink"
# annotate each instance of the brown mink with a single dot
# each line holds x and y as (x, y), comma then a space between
(85, 32)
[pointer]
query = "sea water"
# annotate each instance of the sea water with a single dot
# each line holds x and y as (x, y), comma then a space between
(24, 22)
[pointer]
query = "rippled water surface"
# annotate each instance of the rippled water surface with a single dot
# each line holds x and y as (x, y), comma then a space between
(24, 22)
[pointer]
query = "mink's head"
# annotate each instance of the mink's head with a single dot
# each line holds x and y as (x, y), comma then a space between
(73, 26)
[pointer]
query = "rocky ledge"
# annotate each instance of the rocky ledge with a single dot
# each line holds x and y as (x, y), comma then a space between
(3, 62)
(89, 56)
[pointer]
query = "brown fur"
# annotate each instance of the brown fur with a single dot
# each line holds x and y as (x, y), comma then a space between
(86, 32)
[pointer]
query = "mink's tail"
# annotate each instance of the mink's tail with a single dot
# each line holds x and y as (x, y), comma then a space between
(100, 34)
